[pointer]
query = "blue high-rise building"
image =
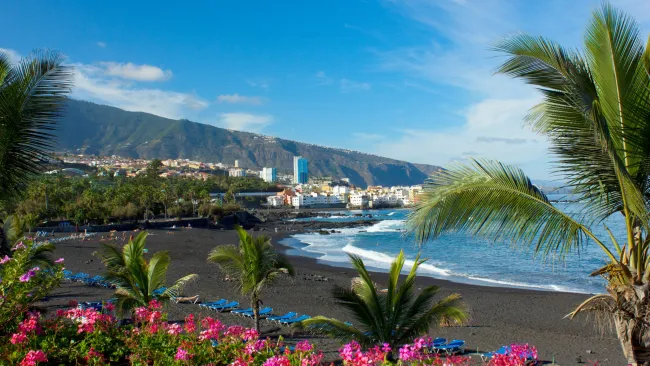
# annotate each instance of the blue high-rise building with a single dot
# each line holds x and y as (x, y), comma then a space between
(300, 170)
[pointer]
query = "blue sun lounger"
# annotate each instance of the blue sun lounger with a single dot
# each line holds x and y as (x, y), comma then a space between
(263, 312)
(242, 311)
(159, 291)
(501, 351)
(92, 281)
(79, 276)
(451, 348)
(280, 318)
(213, 303)
(438, 342)
(296, 320)
(222, 308)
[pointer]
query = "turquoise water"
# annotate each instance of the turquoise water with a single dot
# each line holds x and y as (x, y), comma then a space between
(460, 258)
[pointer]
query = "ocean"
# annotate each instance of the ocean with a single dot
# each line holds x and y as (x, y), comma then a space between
(460, 258)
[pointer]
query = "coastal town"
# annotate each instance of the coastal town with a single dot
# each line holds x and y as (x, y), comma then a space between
(297, 190)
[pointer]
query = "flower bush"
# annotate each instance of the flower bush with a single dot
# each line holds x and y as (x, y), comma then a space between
(26, 278)
(418, 353)
(91, 337)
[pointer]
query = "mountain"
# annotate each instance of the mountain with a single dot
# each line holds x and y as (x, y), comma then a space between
(102, 130)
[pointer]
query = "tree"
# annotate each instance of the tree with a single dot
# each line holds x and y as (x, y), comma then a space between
(253, 264)
(595, 113)
(135, 278)
(395, 316)
(32, 96)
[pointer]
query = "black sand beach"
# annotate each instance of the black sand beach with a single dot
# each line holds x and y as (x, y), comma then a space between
(499, 316)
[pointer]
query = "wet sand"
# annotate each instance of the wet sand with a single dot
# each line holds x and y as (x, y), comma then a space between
(499, 316)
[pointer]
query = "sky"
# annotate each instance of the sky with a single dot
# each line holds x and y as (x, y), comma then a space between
(406, 79)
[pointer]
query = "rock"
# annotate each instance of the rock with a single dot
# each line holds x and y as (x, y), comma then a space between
(590, 351)
(579, 359)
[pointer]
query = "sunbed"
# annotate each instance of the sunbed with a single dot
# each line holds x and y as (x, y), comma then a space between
(438, 342)
(501, 351)
(280, 318)
(451, 348)
(296, 320)
(241, 311)
(216, 303)
(264, 311)
(221, 308)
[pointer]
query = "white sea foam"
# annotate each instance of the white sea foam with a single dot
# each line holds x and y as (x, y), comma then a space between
(383, 260)
(386, 226)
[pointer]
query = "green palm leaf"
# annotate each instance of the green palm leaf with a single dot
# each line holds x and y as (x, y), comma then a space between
(395, 316)
(253, 264)
(498, 201)
(135, 278)
(32, 96)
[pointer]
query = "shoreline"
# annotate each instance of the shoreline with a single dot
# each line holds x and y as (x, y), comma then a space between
(498, 315)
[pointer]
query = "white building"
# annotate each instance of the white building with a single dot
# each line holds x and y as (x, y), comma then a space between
(314, 200)
(275, 201)
(269, 175)
(358, 200)
(237, 172)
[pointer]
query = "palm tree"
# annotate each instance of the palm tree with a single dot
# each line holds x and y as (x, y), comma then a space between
(596, 114)
(135, 278)
(32, 96)
(253, 264)
(395, 316)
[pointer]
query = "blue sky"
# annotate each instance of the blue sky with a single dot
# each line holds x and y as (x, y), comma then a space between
(407, 79)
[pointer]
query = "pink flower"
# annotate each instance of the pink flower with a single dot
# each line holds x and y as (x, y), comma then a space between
(155, 304)
(250, 334)
(33, 358)
(27, 276)
(174, 329)
(304, 346)
(253, 347)
(277, 361)
(93, 354)
(235, 331)
(58, 261)
(5, 259)
(19, 246)
(18, 338)
(190, 326)
(182, 354)
(385, 348)
(109, 306)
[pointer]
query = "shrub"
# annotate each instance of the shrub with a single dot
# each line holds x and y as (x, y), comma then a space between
(26, 278)
(88, 336)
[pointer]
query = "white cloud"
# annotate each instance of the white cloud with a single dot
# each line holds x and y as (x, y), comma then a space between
(14, 56)
(244, 121)
(241, 99)
(101, 44)
(93, 83)
(346, 86)
(492, 129)
(136, 72)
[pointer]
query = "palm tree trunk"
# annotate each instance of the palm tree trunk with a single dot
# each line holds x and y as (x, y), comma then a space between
(631, 321)
(255, 304)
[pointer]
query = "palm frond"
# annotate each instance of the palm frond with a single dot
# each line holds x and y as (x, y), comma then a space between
(498, 201)
(40, 255)
(157, 270)
(32, 97)
(176, 289)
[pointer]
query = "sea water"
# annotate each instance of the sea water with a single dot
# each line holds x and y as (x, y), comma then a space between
(460, 258)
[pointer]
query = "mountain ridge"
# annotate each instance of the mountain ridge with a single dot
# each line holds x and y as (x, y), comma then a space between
(104, 130)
